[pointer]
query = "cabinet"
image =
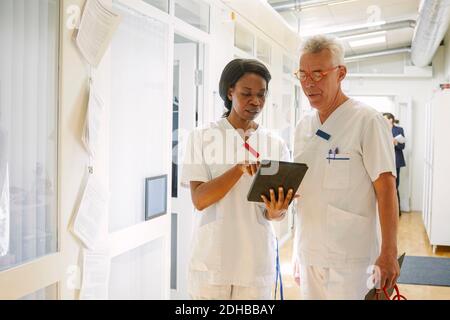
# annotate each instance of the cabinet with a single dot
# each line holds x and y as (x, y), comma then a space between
(436, 202)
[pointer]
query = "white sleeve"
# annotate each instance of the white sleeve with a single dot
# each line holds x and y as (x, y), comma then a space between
(194, 167)
(377, 148)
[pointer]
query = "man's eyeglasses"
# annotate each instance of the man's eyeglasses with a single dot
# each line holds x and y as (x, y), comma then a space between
(316, 76)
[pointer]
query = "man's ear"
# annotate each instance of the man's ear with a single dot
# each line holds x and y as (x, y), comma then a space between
(342, 72)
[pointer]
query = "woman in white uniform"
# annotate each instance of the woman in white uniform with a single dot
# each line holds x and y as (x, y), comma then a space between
(233, 249)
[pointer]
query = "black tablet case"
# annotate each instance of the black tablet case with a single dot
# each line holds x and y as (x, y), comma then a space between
(288, 176)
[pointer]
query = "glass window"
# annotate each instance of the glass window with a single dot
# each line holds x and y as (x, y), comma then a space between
(48, 293)
(175, 126)
(137, 274)
(28, 130)
(288, 65)
(139, 128)
(187, 91)
(244, 39)
(297, 103)
(160, 4)
(194, 12)
(263, 51)
(287, 123)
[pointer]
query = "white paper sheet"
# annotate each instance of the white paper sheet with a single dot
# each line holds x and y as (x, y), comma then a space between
(93, 122)
(96, 270)
(97, 27)
(400, 138)
(89, 224)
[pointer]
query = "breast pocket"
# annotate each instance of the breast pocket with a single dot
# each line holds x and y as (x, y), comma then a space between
(337, 172)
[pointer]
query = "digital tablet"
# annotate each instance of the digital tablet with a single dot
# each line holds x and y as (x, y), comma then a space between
(274, 174)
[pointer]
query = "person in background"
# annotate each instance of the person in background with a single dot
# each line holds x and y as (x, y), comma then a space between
(399, 145)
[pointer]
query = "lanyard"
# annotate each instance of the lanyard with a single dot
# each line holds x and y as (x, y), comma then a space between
(278, 275)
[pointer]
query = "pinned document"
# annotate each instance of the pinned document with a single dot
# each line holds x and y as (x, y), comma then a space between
(93, 122)
(90, 219)
(96, 270)
(97, 27)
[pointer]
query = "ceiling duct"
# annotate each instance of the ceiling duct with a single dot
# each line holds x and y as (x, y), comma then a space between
(376, 54)
(432, 24)
(402, 24)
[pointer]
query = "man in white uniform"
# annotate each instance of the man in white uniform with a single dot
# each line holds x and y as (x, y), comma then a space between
(348, 148)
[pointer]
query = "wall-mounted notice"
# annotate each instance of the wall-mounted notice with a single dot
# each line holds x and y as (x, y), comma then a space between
(93, 209)
(96, 269)
(97, 27)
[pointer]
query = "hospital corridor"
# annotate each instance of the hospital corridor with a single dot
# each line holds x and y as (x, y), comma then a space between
(250, 150)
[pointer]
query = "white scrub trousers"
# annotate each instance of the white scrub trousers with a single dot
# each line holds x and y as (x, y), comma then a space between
(348, 283)
(217, 292)
(201, 290)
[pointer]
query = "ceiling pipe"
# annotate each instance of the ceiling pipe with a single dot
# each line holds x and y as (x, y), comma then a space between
(300, 5)
(432, 24)
(401, 24)
(376, 54)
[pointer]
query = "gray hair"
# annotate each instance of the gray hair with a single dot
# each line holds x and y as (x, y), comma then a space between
(316, 44)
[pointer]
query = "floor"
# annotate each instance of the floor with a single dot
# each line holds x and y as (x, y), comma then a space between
(412, 239)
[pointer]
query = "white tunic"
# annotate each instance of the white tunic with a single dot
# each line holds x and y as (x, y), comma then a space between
(233, 243)
(338, 207)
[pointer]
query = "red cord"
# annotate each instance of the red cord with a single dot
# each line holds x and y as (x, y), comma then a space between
(397, 295)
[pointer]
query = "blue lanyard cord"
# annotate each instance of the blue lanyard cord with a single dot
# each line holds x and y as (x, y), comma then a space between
(278, 275)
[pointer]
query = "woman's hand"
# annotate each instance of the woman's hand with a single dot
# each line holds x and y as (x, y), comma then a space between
(276, 208)
(249, 168)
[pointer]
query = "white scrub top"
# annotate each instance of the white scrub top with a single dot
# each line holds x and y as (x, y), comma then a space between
(233, 244)
(338, 209)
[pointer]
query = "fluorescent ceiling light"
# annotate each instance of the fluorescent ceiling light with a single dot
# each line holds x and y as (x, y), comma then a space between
(315, 4)
(364, 35)
(333, 29)
(366, 42)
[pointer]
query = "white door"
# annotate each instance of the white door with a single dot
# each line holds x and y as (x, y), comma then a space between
(404, 113)
(139, 135)
(187, 94)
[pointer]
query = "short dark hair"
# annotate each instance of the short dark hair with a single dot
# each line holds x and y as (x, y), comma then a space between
(235, 70)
